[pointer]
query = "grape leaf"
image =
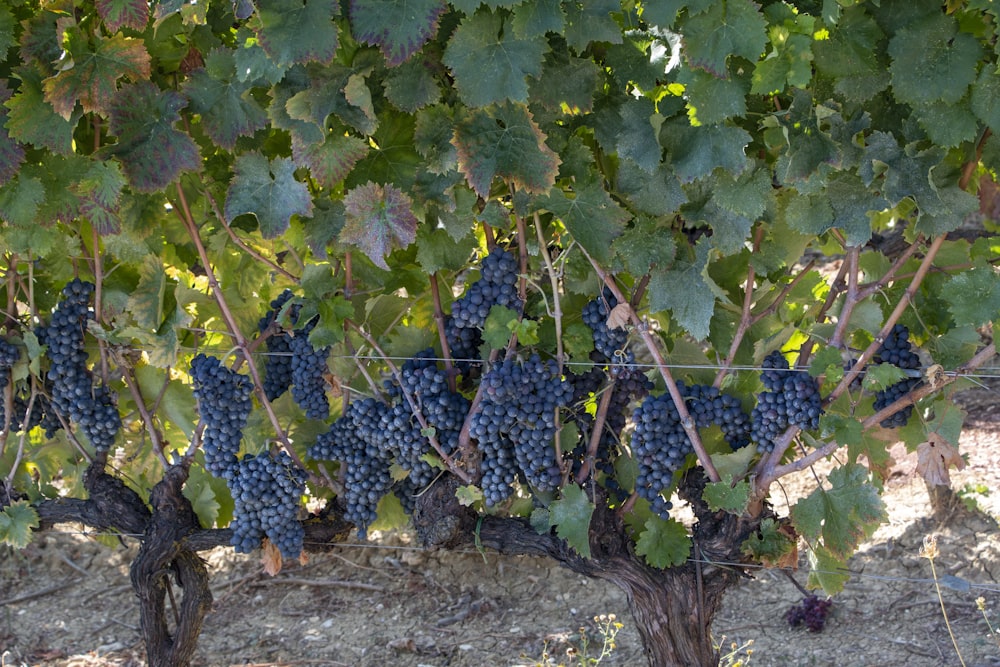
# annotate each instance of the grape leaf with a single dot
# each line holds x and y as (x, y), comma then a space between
(393, 157)
(399, 28)
(412, 86)
(985, 101)
(636, 133)
(498, 326)
(771, 545)
(329, 162)
(851, 203)
(377, 218)
(932, 60)
(534, 18)
(664, 543)
(592, 21)
(711, 99)
(298, 31)
(947, 125)
(16, 523)
(687, 291)
(808, 146)
(568, 84)
(491, 64)
(826, 570)
(591, 216)
(432, 137)
(850, 57)
(268, 190)
(93, 77)
(145, 301)
(128, 13)
(697, 151)
(20, 199)
(647, 244)
(437, 249)
(11, 152)
(504, 141)
(215, 92)
(570, 516)
(734, 28)
(32, 119)
(727, 496)
(843, 515)
(973, 296)
(657, 194)
(331, 91)
(7, 23)
(152, 152)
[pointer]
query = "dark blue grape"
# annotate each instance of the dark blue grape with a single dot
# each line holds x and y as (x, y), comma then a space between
(897, 350)
(611, 343)
(278, 359)
(267, 493)
(224, 405)
(791, 399)
(308, 374)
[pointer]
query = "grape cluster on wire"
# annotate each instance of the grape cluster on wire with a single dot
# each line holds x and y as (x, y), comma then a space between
(443, 411)
(811, 612)
(497, 285)
(267, 491)
(74, 394)
(661, 445)
(308, 371)
(789, 398)
(515, 426)
(278, 359)
(897, 350)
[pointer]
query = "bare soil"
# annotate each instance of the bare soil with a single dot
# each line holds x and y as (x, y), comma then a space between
(66, 600)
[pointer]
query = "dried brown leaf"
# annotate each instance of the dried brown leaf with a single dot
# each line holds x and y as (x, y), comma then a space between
(935, 456)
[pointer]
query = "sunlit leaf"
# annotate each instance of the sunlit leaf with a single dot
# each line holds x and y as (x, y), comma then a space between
(570, 516)
(215, 92)
(734, 28)
(664, 543)
(123, 13)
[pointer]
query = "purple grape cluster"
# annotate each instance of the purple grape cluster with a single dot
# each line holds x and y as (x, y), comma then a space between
(278, 361)
(308, 374)
(267, 492)
(811, 612)
(897, 350)
(790, 398)
(611, 343)
(74, 395)
(224, 405)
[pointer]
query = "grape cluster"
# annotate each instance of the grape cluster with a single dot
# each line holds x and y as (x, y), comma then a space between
(9, 355)
(897, 350)
(811, 611)
(278, 362)
(308, 370)
(355, 439)
(443, 410)
(74, 394)
(707, 405)
(497, 285)
(790, 398)
(224, 405)
(611, 343)
(267, 491)
(515, 424)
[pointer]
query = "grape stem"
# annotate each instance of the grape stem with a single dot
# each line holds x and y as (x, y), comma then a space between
(595, 434)
(647, 338)
(242, 245)
(449, 367)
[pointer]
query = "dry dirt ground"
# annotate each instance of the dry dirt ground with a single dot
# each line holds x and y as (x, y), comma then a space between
(65, 601)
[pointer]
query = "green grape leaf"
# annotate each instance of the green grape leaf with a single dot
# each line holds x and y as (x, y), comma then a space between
(145, 301)
(393, 158)
(932, 60)
(827, 362)
(648, 244)
(377, 219)
(881, 376)
(697, 151)
(592, 21)
(844, 515)
(985, 101)
(93, 77)
(734, 28)
(657, 194)
(411, 86)
(770, 544)
(499, 324)
(152, 152)
(32, 119)
(790, 63)
(973, 296)
(399, 28)
(850, 56)
(664, 543)
(591, 216)
(331, 91)
(808, 146)
(298, 31)
(254, 66)
(852, 203)
(566, 84)
(711, 100)
(947, 125)
(432, 137)
(199, 492)
(827, 571)
(955, 347)
(687, 291)
(17, 521)
(736, 463)
(570, 516)
(267, 189)
(7, 23)
(727, 496)
(123, 13)
(504, 141)
(491, 64)
(636, 133)
(437, 249)
(11, 152)
(534, 18)
(20, 199)
(227, 111)
(329, 162)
